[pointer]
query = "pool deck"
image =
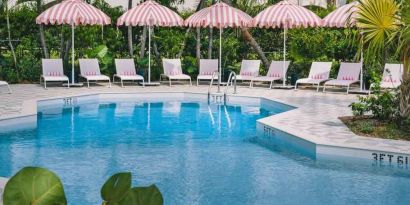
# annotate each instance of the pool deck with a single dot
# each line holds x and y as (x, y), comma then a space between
(315, 120)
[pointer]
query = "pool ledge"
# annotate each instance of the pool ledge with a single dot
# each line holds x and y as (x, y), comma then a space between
(337, 144)
(322, 129)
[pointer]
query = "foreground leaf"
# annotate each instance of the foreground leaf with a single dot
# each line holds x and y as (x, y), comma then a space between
(34, 186)
(116, 187)
(143, 196)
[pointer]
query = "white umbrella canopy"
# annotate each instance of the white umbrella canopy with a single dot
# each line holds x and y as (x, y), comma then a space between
(219, 15)
(345, 17)
(286, 15)
(74, 13)
(150, 13)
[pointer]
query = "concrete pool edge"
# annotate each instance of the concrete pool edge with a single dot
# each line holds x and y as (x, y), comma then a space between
(28, 117)
(327, 149)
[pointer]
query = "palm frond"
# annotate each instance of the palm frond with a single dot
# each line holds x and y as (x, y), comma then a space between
(378, 22)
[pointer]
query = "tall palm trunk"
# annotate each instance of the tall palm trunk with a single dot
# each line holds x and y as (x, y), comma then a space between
(198, 34)
(405, 87)
(252, 42)
(181, 50)
(9, 36)
(41, 31)
(43, 41)
(68, 45)
(143, 41)
(155, 48)
(130, 49)
(198, 44)
(211, 39)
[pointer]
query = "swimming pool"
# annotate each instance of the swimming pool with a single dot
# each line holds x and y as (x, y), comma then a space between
(196, 153)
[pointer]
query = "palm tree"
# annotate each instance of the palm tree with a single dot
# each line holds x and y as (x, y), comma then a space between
(248, 36)
(381, 28)
(130, 49)
(404, 45)
(378, 22)
(5, 5)
(40, 5)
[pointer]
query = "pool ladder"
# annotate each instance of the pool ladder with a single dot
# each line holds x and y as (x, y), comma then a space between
(219, 96)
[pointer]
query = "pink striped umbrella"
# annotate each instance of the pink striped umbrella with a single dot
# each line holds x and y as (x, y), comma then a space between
(286, 15)
(219, 15)
(150, 13)
(74, 13)
(344, 17)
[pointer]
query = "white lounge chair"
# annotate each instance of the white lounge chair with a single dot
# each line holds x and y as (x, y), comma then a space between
(319, 72)
(249, 70)
(4, 83)
(392, 76)
(275, 73)
(53, 71)
(348, 74)
(207, 68)
(90, 70)
(173, 71)
(126, 71)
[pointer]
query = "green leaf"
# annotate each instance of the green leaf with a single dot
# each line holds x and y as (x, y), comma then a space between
(116, 187)
(101, 51)
(34, 186)
(143, 196)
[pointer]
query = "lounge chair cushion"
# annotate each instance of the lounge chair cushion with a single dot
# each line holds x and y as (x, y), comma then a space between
(179, 76)
(266, 78)
(392, 76)
(96, 77)
(390, 84)
(130, 77)
(310, 80)
(341, 82)
(3, 83)
(207, 77)
(53, 70)
(249, 69)
(245, 77)
(208, 67)
(55, 78)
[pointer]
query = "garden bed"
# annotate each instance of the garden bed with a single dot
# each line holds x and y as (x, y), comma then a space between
(369, 127)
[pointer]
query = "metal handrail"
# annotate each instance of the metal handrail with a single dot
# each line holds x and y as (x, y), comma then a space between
(231, 80)
(212, 82)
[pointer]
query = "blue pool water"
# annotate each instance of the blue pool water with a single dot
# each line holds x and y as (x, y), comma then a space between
(195, 153)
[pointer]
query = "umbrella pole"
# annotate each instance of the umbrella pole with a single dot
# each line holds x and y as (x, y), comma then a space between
(284, 56)
(220, 60)
(149, 54)
(361, 70)
(72, 54)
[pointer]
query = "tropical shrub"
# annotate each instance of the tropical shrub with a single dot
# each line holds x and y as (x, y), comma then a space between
(385, 32)
(381, 105)
(109, 42)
